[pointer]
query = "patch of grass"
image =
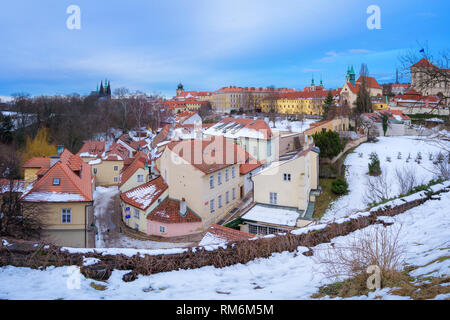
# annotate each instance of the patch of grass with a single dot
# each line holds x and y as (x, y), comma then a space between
(422, 187)
(96, 286)
(401, 282)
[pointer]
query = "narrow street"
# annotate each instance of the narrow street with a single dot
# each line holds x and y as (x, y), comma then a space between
(112, 233)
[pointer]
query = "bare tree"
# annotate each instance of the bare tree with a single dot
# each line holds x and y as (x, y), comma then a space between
(378, 188)
(431, 77)
(375, 246)
(407, 179)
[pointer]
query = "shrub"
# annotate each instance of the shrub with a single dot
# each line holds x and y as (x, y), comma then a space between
(374, 164)
(339, 186)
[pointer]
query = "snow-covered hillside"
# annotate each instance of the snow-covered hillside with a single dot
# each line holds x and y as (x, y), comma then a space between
(357, 169)
(425, 232)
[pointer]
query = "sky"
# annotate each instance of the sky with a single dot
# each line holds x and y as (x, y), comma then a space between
(152, 45)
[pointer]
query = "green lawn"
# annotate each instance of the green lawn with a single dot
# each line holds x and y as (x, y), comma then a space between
(325, 198)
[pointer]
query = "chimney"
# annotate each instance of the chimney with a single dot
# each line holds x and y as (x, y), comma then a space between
(183, 207)
(60, 149)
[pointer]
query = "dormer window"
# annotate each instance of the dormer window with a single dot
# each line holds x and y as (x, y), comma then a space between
(56, 182)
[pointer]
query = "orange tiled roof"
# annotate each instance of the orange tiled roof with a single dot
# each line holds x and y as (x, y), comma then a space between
(145, 195)
(93, 148)
(210, 155)
(138, 162)
(228, 234)
(161, 136)
(117, 152)
(423, 63)
(168, 211)
(258, 125)
(184, 115)
(75, 180)
(247, 167)
(370, 81)
(37, 162)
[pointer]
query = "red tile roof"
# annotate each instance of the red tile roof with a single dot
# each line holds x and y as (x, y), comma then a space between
(37, 162)
(247, 167)
(210, 155)
(258, 125)
(168, 211)
(184, 115)
(75, 179)
(145, 195)
(370, 82)
(423, 63)
(138, 162)
(117, 152)
(228, 234)
(161, 136)
(93, 148)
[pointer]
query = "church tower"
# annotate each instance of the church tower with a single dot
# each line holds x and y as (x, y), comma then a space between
(180, 89)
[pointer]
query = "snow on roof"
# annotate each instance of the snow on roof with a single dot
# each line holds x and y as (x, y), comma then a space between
(144, 195)
(53, 197)
(273, 215)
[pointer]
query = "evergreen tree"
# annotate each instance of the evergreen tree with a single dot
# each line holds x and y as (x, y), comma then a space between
(6, 129)
(385, 123)
(327, 105)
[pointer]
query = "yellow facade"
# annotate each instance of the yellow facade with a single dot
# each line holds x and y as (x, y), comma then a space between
(380, 106)
(295, 192)
(336, 124)
(107, 173)
(73, 234)
(186, 181)
(30, 175)
(308, 106)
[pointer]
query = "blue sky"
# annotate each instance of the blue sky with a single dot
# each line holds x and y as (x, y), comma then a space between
(153, 45)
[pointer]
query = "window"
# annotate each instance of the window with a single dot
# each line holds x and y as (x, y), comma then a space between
(227, 197)
(211, 181)
(56, 181)
(219, 178)
(234, 193)
(66, 216)
(220, 201)
(140, 178)
(116, 168)
(227, 175)
(233, 173)
(136, 213)
(273, 197)
(211, 206)
(162, 229)
(136, 226)
(287, 177)
(116, 179)
(95, 170)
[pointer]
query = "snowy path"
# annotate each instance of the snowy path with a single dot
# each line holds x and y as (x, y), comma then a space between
(104, 210)
(425, 232)
(357, 169)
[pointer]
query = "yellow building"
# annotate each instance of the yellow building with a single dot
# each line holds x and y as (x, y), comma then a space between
(285, 192)
(60, 193)
(206, 173)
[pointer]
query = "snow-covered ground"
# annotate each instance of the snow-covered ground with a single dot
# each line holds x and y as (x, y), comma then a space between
(357, 169)
(425, 231)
